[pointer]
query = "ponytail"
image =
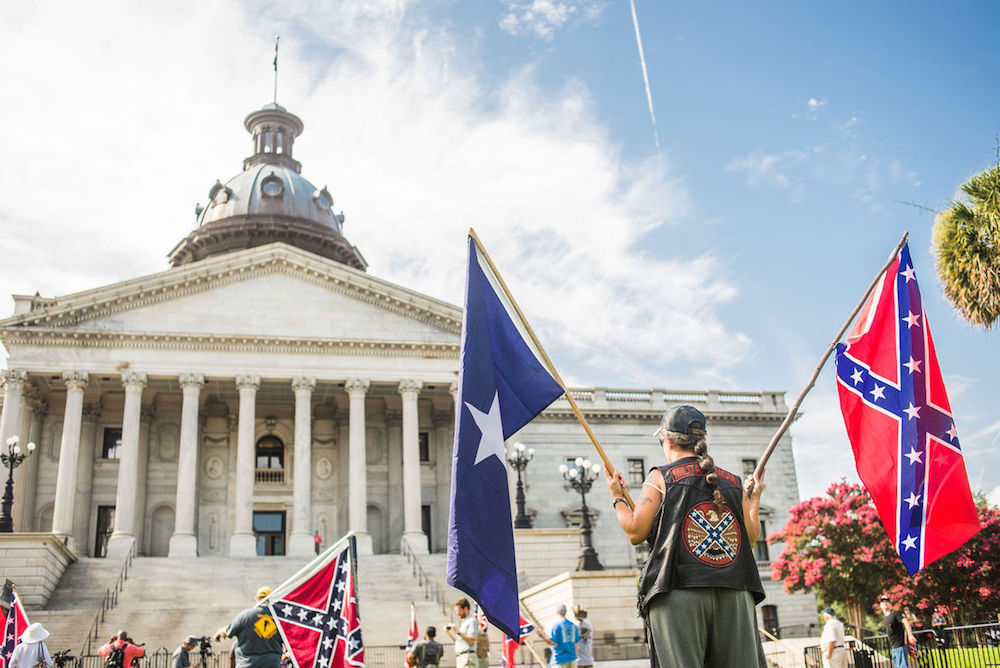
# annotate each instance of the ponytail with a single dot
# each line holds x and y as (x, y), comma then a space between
(696, 441)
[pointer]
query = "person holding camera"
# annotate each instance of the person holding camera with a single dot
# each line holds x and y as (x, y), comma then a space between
(465, 635)
(121, 651)
(181, 657)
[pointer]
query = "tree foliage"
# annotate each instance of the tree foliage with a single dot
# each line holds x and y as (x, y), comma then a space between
(836, 547)
(966, 244)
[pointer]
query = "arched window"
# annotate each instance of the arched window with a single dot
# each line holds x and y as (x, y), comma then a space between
(270, 459)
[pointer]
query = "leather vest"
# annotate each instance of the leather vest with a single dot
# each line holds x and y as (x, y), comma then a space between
(693, 543)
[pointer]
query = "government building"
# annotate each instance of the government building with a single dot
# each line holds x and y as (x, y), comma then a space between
(264, 387)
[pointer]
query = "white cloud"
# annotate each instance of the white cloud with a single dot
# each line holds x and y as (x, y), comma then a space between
(781, 170)
(815, 104)
(543, 18)
(823, 454)
(125, 118)
(994, 497)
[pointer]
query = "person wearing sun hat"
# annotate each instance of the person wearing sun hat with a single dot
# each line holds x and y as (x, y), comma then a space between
(699, 586)
(31, 651)
(258, 643)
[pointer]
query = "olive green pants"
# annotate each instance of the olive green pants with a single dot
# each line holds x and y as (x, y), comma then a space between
(704, 628)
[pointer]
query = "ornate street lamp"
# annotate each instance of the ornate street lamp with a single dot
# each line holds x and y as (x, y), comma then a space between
(518, 458)
(12, 458)
(580, 478)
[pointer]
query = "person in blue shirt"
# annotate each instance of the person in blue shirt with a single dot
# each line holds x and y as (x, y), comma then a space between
(563, 639)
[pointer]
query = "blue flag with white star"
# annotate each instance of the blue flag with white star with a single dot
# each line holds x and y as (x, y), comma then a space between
(502, 385)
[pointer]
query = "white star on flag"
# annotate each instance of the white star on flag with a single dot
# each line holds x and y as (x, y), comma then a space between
(913, 500)
(912, 320)
(908, 273)
(912, 411)
(878, 392)
(491, 427)
(952, 433)
(914, 456)
(913, 365)
(856, 376)
(910, 542)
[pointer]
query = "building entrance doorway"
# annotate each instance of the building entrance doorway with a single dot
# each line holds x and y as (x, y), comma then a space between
(105, 525)
(269, 530)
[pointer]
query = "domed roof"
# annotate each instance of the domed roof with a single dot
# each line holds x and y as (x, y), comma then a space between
(268, 201)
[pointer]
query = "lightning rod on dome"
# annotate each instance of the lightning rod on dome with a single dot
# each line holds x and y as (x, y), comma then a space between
(276, 38)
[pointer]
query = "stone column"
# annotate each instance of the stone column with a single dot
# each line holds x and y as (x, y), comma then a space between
(300, 543)
(29, 398)
(394, 434)
(413, 533)
(357, 388)
(443, 423)
(25, 499)
(242, 542)
(147, 415)
(184, 541)
(123, 537)
(69, 450)
(13, 387)
(89, 430)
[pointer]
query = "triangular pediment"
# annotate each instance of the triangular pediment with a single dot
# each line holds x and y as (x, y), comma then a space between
(274, 292)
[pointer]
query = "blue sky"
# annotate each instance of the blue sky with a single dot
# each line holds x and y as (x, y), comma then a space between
(795, 140)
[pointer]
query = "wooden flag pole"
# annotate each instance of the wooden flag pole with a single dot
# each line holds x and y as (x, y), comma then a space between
(819, 367)
(551, 367)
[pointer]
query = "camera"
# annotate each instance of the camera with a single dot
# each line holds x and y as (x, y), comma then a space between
(449, 627)
(205, 646)
(63, 657)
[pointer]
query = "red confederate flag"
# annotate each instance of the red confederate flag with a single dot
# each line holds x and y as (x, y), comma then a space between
(16, 624)
(510, 645)
(414, 634)
(900, 425)
(317, 611)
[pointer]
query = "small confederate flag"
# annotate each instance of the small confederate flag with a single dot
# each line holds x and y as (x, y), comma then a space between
(900, 425)
(414, 634)
(317, 611)
(16, 624)
(510, 645)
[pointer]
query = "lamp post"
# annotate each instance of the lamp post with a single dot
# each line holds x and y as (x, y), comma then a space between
(518, 458)
(580, 478)
(12, 458)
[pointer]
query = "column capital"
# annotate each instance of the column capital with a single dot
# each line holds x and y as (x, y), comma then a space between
(37, 406)
(357, 387)
(303, 383)
(75, 380)
(13, 377)
(247, 381)
(410, 387)
(134, 381)
(190, 381)
(91, 413)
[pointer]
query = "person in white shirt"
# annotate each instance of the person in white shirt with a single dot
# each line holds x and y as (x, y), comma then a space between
(584, 648)
(832, 641)
(31, 652)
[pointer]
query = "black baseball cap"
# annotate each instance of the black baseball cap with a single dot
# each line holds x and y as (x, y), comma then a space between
(681, 419)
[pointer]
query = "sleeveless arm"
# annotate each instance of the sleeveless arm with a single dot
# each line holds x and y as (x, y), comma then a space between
(751, 507)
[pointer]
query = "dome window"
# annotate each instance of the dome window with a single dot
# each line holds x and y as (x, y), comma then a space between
(323, 199)
(272, 186)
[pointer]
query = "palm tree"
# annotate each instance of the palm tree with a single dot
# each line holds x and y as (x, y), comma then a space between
(966, 244)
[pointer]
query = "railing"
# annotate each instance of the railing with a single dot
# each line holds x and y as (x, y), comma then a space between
(432, 590)
(270, 476)
(160, 658)
(952, 647)
(110, 600)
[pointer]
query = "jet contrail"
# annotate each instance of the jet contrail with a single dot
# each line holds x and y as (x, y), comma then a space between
(645, 75)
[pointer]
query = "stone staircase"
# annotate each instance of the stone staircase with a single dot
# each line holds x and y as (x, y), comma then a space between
(164, 600)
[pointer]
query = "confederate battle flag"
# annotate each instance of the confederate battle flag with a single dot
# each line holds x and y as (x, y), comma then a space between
(16, 624)
(900, 425)
(317, 611)
(510, 645)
